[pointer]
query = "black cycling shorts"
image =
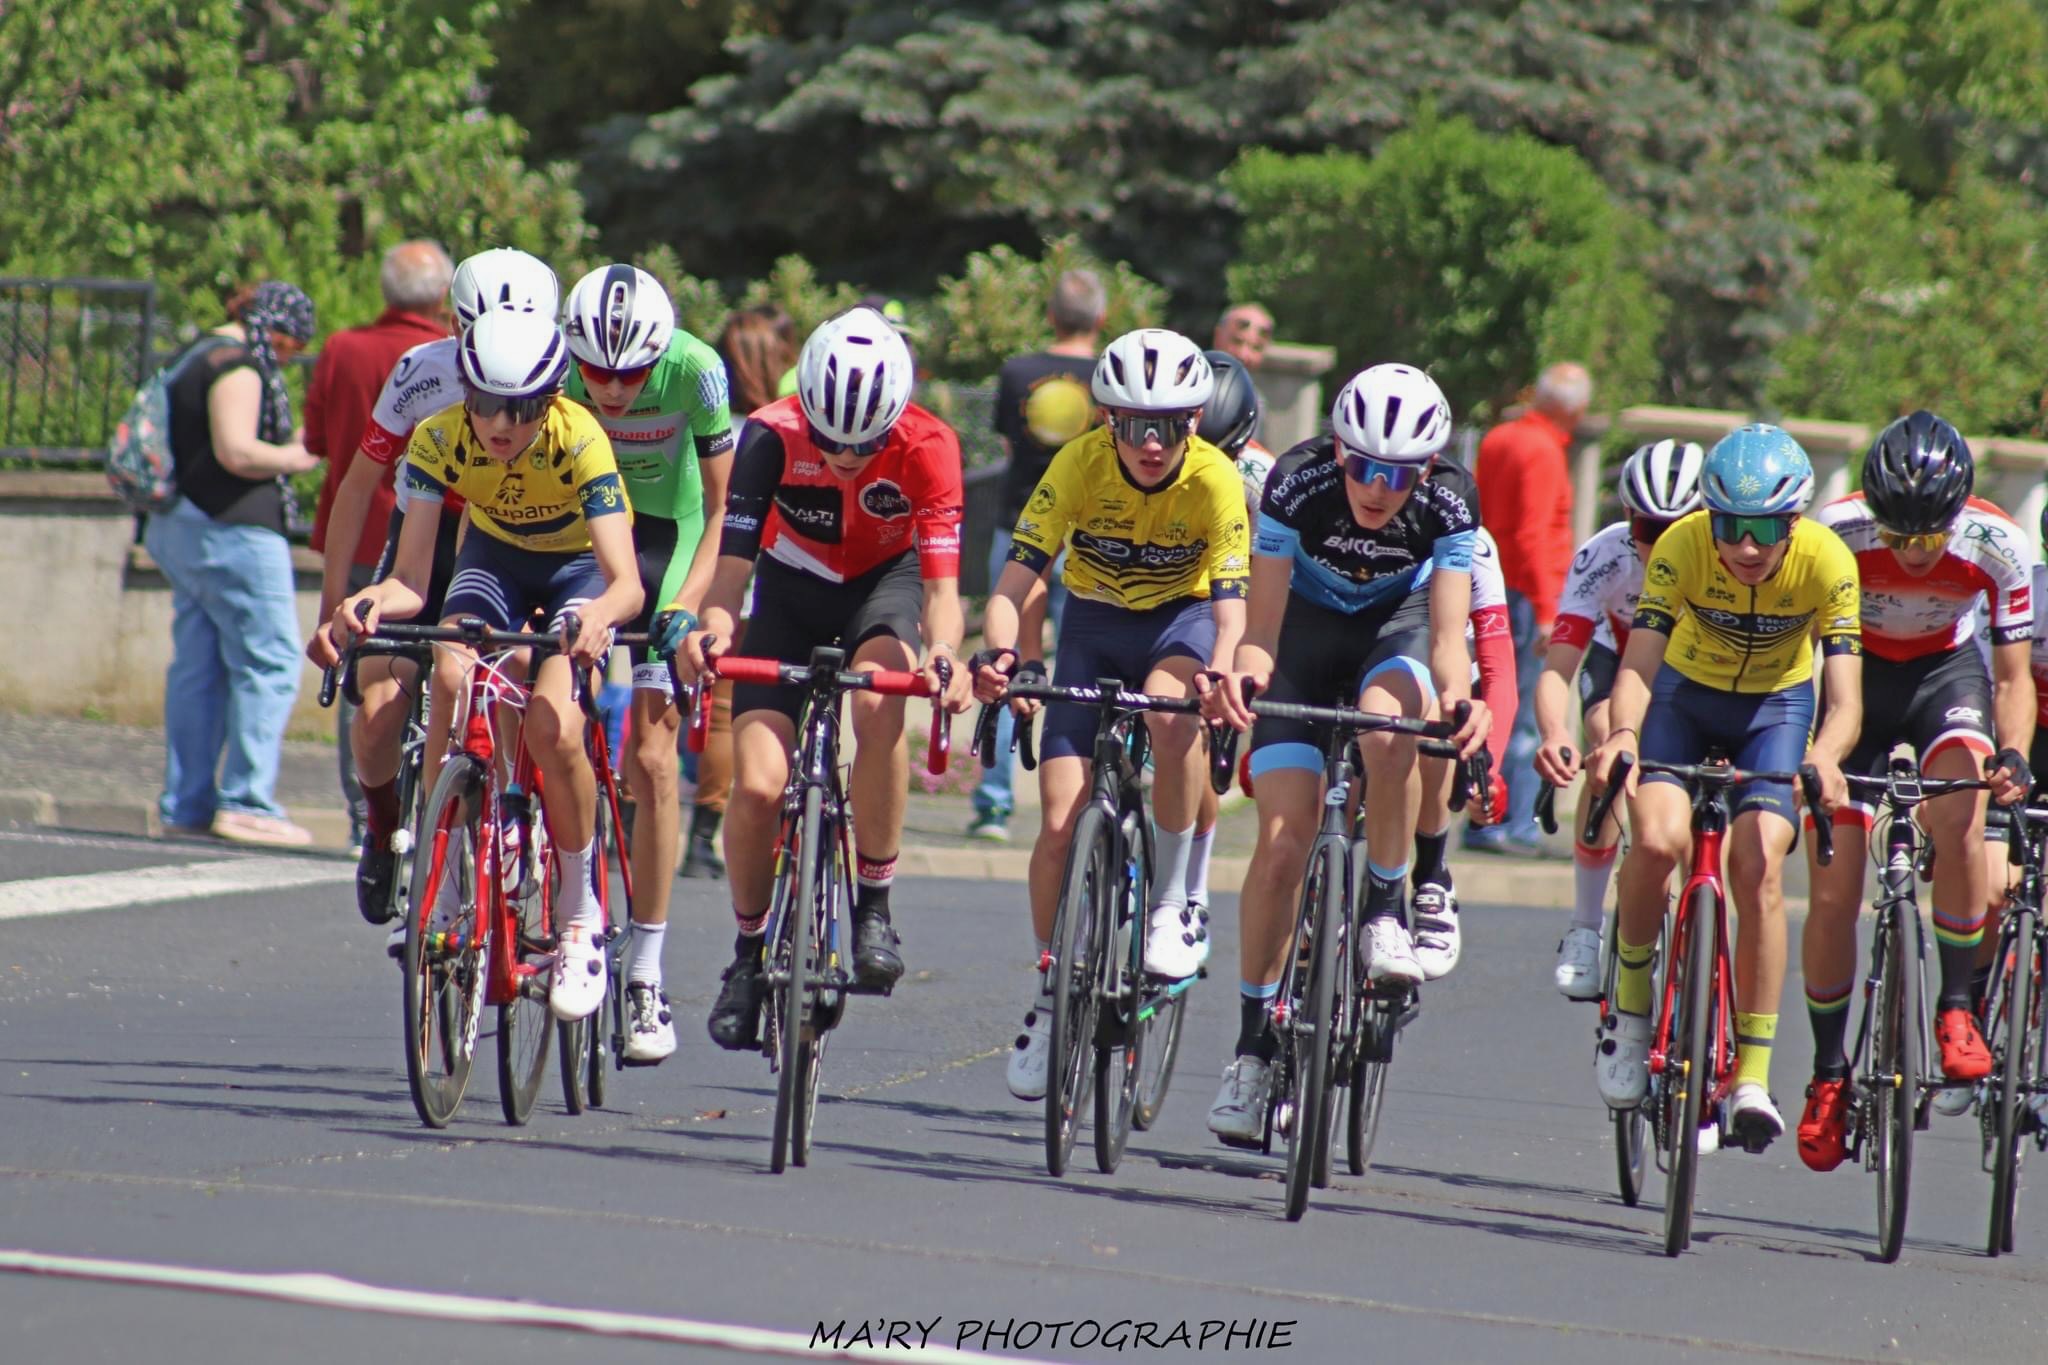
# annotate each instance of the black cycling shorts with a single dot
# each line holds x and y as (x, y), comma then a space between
(1597, 667)
(1101, 640)
(444, 562)
(1326, 658)
(1932, 703)
(795, 613)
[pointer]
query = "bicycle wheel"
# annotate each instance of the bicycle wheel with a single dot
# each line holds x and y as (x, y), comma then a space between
(1123, 1036)
(2011, 1079)
(525, 1027)
(792, 997)
(1309, 1025)
(1368, 1089)
(580, 1044)
(1087, 897)
(1162, 1048)
(1631, 1126)
(446, 971)
(1895, 1060)
(823, 1014)
(1343, 1040)
(1690, 1070)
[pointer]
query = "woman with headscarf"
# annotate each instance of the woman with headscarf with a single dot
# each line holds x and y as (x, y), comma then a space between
(234, 671)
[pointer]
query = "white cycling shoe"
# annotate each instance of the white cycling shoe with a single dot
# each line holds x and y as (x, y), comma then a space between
(1171, 948)
(1578, 965)
(1031, 1058)
(1390, 954)
(651, 1029)
(1621, 1060)
(1239, 1114)
(577, 984)
(1198, 914)
(1434, 915)
(1753, 1120)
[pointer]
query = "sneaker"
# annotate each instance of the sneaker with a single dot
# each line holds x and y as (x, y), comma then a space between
(1390, 954)
(1621, 1061)
(1578, 964)
(1437, 940)
(247, 827)
(1170, 948)
(1824, 1127)
(376, 865)
(1032, 1055)
(577, 985)
(876, 961)
(1963, 1054)
(1198, 913)
(990, 829)
(735, 1021)
(1239, 1114)
(1753, 1118)
(651, 1034)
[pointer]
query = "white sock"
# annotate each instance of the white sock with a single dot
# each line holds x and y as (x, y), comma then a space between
(1198, 866)
(646, 966)
(1170, 865)
(1591, 869)
(577, 907)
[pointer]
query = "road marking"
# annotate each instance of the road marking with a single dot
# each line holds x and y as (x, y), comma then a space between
(154, 885)
(332, 1291)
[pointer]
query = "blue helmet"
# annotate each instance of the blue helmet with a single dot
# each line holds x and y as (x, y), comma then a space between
(1757, 471)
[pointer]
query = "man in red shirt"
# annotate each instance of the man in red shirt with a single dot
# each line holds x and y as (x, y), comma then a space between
(352, 368)
(1525, 501)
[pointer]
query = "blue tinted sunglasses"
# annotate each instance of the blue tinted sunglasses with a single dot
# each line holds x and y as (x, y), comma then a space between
(828, 446)
(1730, 528)
(1398, 478)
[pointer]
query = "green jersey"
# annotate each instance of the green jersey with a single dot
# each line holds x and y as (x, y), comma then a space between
(682, 412)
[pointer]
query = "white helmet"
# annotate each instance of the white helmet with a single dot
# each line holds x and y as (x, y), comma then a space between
(1394, 413)
(514, 354)
(1662, 479)
(619, 318)
(503, 277)
(854, 377)
(1153, 370)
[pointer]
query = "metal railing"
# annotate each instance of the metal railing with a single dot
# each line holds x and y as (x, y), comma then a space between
(72, 352)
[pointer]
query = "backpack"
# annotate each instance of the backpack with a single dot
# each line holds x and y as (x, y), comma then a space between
(141, 466)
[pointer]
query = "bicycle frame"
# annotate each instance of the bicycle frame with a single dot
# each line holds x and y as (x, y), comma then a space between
(1709, 830)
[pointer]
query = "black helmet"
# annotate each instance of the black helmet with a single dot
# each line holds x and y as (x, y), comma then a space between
(1231, 415)
(1918, 475)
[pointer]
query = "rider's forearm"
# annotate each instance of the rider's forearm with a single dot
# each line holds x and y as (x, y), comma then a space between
(1229, 614)
(1630, 699)
(1553, 705)
(945, 624)
(1450, 664)
(345, 520)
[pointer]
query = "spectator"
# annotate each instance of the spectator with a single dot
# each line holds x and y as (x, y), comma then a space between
(234, 632)
(1525, 500)
(1042, 402)
(756, 354)
(352, 368)
(1243, 331)
(785, 328)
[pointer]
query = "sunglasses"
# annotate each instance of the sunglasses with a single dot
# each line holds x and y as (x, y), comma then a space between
(826, 445)
(1913, 544)
(1647, 529)
(1730, 528)
(1398, 478)
(598, 374)
(529, 409)
(1142, 428)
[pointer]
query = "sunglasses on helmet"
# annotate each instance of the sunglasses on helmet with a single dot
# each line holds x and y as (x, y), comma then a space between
(1364, 469)
(1143, 428)
(1730, 528)
(826, 445)
(1911, 543)
(527, 409)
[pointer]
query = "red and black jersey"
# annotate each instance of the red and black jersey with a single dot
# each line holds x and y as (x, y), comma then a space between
(787, 502)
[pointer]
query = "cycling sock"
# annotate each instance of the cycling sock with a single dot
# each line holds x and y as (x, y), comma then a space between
(1956, 938)
(1198, 866)
(1591, 869)
(873, 877)
(749, 945)
(576, 906)
(382, 802)
(1827, 1009)
(1430, 867)
(1385, 892)
(1754, 1034)
(1170, 849)
(645, 969)
(751, 927)
(1254, 1028)
(1632, 975)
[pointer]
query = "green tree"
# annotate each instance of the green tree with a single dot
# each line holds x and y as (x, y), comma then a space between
(995, 307)
(1478, 256)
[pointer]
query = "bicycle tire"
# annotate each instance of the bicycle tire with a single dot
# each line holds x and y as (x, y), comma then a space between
(1343, 1039)
(1121, 1039)
(1083, 901)
(2012, 1080)
(821, 1018)
(1162, 1050)
(1368, 1096)
(443, 995)
(1895, 1055)
(409, 813)
(1631, 1126)
(1309, 1028)
(792, 998)
(1694, 1067)
(525, 1025)
(572, 1045)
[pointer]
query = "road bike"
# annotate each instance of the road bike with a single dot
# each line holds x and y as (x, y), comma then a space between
(2013, 1019)
(411, 753)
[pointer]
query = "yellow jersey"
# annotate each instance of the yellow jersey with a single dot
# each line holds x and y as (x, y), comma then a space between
(1135, 547)
(541, 500)
(1737, 638)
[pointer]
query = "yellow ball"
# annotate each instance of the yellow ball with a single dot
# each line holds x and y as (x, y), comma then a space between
(1057, 411)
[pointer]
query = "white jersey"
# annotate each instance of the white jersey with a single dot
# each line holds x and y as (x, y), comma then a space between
(427, 379)
(1913, 615)
(1600, 592)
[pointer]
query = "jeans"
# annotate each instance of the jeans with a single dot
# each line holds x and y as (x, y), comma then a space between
(234, 670)
(360, 576)
(1519, 763)
(994, 798)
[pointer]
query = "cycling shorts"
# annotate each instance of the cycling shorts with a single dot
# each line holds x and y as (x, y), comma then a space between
(1933, 703)
(1760, 731)
(1597, 668)
(1103, 640)
(664, 549)
(505, 584)
(444, 562)
(1327, 658)
(795, 613)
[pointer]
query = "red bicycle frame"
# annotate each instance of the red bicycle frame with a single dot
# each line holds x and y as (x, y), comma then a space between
(1709, 830)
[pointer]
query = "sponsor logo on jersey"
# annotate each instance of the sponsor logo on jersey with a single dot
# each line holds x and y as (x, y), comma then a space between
(1111, 524)
(1717, 593)
(1365, 547)
(1968, 714)
(2020, 601)
(804, 469)
(1042, 500)
(408, 394)
(711, 388)
(810, 511)
(1663, 573)
(646, 436)
(884, 501)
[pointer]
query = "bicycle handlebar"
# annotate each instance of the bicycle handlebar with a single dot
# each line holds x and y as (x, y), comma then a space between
(885, 682)
(1696, 775)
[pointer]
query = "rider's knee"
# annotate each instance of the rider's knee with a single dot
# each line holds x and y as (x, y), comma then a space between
(876, 718)
(1284, 845)
(1172, 735)
(1385, 752)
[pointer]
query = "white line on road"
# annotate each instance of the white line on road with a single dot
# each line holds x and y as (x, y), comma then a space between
(172, 882)
(331, 1291)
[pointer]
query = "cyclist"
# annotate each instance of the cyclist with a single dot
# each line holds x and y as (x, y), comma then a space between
(849, 494)
(426, 380)
(1153, 522)
(1721, 644)
(1360, 591)
(550, 527)
(660, 395)
(1660, 482)
(1927, 553)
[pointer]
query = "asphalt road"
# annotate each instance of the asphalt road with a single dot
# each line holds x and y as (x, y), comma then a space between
(214, 1083)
